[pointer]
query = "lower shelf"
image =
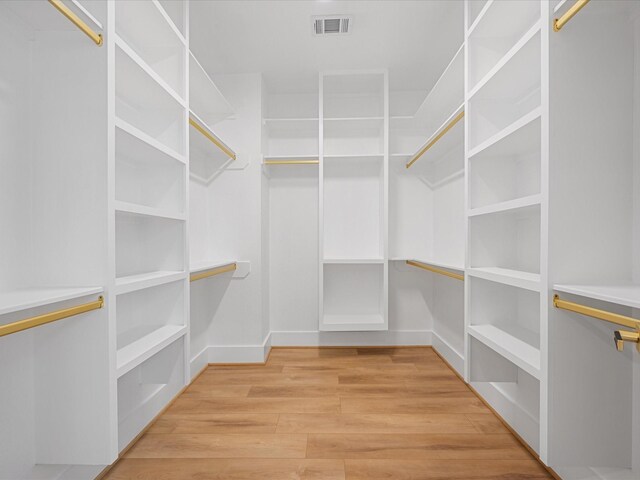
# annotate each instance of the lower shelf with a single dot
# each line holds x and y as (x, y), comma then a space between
(510, 346)
(132, 355)
(342, 323)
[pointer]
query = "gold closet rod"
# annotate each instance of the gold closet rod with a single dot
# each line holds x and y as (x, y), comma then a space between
(213, 139)
(28, 323)
(424, 266)
(442, 133)
(291, 162)
(558, 23)
(77, 21)
(620, 336)
(596, 313)
(214, 271)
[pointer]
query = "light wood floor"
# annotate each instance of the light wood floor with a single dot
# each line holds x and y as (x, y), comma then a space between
(329, 414)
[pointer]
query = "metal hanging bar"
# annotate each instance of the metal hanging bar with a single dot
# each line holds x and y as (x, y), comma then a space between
(435, 140)
(213, 139)
(214, 271)
(291, 162)
(558, 23)
(440, 271)
(77, 21)
(619, 336)
(32, 322)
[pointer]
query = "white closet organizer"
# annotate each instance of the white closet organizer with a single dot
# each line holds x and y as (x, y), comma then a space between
(427, 222)
(148, 289)
(290, 166)
(353, 193)
(595, 198)
(56, 403)
(506, 115)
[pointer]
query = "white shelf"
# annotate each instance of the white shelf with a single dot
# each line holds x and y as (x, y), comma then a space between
(203, 266)
(26, 298)
(443, 146)
(515, 278)
(353, 261)
(141, 281)
(518, 203)
(290, 157)
(355, 156)
(506, 58)
(290, 119)
(517, 351)
(445, 96)
(620, 294)
(120, 43)
(143, 137)
(292, 127)
(478, 18)
(347, 323)
(507, 131)
(369, 120)
(206, 99)
(148, 211)
(435, 263)
(137, 352)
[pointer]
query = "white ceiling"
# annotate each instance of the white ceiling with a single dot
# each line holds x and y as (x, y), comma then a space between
(414, 39)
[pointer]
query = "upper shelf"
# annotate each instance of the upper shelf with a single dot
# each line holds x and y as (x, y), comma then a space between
(148, 30)
(442, 101)
(205, 99)
(26, 298)
(620, 294)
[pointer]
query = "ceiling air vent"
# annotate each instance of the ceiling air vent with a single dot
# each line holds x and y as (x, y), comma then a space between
(332, 24)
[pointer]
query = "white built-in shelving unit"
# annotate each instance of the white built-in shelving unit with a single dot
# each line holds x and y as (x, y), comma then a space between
(148, 289)
(507, 193)
(353, 201)
(593, 389)
(57, 405)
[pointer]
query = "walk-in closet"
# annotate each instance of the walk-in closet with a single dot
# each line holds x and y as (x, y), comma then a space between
(319, 239)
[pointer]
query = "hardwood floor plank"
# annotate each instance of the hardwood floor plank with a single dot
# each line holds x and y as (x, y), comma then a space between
(444, 469)
(216, 423)
(407, 368)
(411, 446)
(347, 361)
(244, 369)
(464, 404)
(440, 387)
(255, 405)
(295, 353)
(219, 446)
(234, 378)
(227, 469)
(436, 389)
(398, 351)
(487, 423)
(374, 423)
(413, 378)
(203, 389)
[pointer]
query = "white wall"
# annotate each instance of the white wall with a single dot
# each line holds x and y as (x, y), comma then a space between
(230, 309)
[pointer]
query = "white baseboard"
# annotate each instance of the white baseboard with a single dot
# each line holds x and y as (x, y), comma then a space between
(239, 353)
(199, 361)
(512, 413)
(259, 353)
(448, 353)
(348, 339)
